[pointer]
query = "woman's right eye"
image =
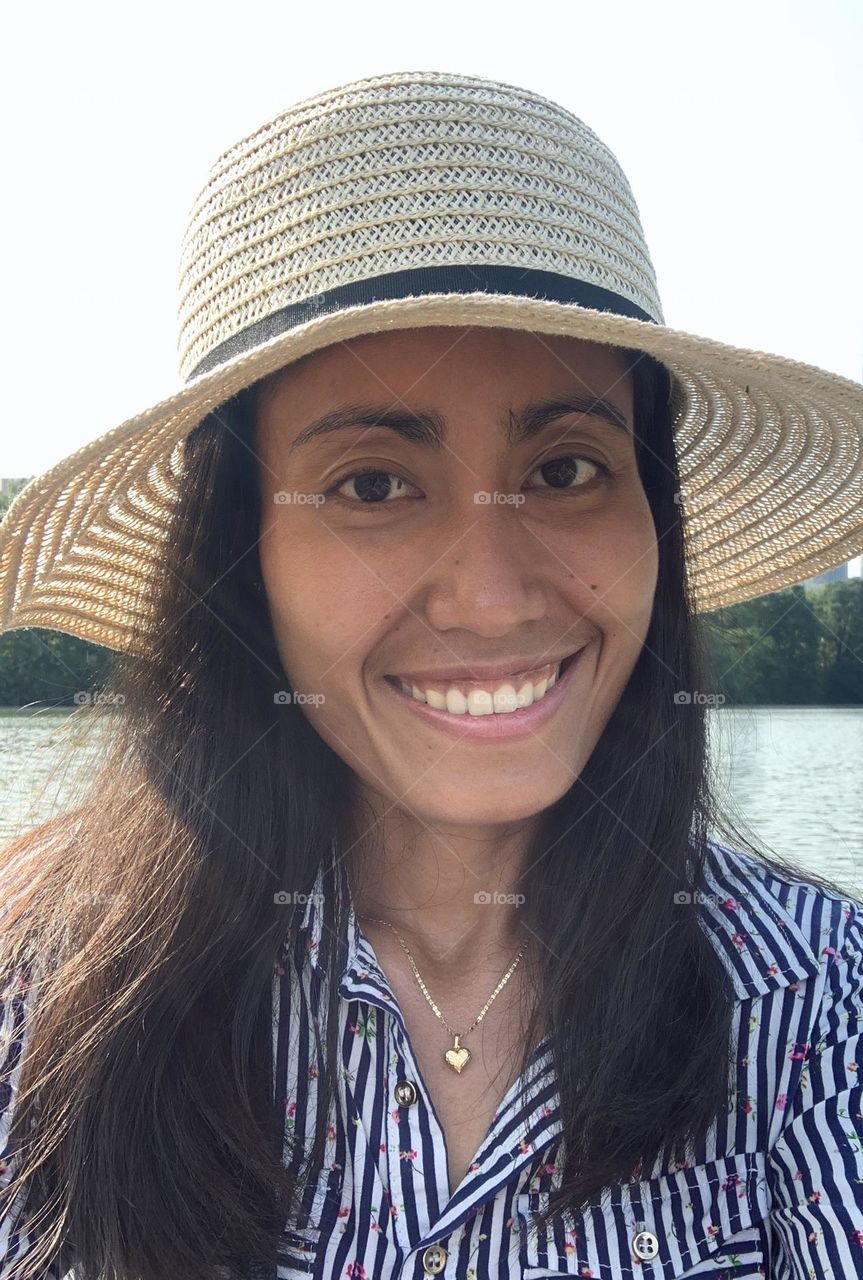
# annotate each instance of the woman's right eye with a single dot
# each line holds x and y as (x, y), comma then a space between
(372, 488)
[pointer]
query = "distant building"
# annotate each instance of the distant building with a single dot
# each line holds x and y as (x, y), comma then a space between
(839, 573)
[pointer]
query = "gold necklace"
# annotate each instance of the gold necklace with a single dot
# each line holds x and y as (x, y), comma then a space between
(457, 1056)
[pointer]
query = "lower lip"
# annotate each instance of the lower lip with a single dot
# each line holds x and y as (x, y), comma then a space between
(494, 727)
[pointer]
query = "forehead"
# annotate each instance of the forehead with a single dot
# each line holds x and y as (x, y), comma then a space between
(474, 364)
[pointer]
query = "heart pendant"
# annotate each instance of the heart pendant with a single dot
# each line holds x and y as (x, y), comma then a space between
(458, 1057)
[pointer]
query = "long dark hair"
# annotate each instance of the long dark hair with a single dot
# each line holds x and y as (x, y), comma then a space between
(147, 1135)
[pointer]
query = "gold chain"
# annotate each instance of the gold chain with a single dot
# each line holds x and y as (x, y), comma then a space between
(458, 1056)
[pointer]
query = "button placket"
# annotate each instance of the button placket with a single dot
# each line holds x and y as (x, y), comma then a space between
(400, 1087)
(423, 1164)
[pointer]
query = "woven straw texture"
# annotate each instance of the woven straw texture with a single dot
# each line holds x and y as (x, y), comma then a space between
(435, 169)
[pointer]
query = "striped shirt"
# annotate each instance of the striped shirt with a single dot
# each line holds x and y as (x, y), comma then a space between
(775, 1190)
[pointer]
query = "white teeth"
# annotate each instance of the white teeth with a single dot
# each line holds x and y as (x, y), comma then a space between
(480, 703)
(456, 702)
(526, 694)
(505, 698)
(484, 702)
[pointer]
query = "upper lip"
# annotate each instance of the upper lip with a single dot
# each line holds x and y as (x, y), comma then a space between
(485, 671)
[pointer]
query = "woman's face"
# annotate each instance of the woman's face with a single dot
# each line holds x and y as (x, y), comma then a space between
(484, 532)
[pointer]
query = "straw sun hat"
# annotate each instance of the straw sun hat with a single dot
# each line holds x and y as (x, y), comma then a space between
(427, 199)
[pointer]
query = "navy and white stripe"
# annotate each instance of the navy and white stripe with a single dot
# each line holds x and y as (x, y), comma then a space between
(776, 1190)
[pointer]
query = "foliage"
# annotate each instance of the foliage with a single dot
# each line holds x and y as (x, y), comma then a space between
(802, 646)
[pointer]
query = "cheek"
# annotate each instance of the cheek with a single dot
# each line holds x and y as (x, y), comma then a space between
(614, 562)
(632, 585)
(323, 601)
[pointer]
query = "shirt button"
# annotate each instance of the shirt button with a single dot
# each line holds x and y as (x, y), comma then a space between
(645, 1245)
(434, 1259)
(405, 1093)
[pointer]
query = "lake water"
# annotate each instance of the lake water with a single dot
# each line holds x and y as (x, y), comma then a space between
(794, 774)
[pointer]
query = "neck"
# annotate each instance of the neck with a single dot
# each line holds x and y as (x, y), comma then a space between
(454, 894)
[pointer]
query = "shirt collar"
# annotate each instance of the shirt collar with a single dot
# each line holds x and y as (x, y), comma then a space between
(756, 936)
(360, 974)
(753, 931)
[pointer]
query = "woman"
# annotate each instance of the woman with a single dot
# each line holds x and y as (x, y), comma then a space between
(391, 939)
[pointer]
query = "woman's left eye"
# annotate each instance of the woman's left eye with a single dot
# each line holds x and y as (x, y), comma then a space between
(564, 469)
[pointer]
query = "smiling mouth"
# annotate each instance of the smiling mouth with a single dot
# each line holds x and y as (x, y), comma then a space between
(490, 697)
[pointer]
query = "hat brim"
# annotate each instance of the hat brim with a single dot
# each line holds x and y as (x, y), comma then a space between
(770, 456)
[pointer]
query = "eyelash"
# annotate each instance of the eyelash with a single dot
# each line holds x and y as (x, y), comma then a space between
(332, 491)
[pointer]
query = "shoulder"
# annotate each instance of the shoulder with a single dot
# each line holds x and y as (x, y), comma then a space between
(794, 950)
(782, 883)
(775, 928)
(14, 1004)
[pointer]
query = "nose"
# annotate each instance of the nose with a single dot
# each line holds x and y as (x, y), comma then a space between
(486, 573)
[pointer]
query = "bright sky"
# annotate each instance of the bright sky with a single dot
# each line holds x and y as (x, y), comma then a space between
(740, 128)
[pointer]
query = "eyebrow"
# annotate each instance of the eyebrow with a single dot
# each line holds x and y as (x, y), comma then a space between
(428, 427)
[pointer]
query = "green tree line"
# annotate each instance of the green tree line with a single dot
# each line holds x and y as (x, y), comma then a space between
(801, 646)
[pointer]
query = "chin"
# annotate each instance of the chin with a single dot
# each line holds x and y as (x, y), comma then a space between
(466, 803)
